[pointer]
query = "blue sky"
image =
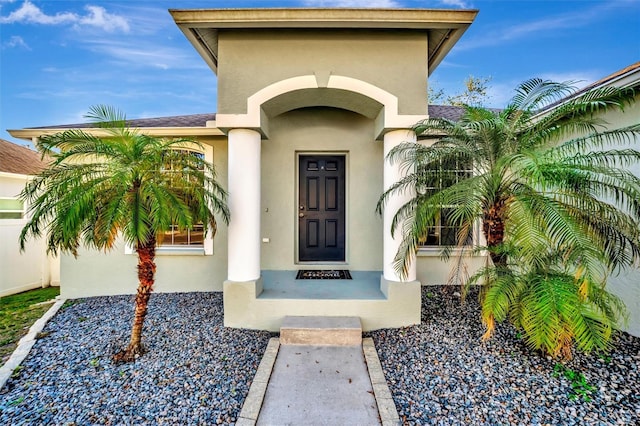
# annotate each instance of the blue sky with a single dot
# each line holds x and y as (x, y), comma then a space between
(57, 58)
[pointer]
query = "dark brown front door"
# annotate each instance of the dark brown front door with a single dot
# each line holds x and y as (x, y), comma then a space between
(321, 206)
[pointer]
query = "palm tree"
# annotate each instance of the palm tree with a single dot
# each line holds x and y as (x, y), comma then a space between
(557, 207)
(124, 183)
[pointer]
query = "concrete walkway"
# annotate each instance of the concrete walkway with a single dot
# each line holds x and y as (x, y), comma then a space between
(319, 384)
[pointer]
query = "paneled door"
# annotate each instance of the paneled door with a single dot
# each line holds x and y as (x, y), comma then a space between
(321, 208)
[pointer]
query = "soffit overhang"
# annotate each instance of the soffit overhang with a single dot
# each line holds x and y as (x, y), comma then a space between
(442, 27)
(169, 132)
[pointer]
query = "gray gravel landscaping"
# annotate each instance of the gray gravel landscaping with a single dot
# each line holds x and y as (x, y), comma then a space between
(440, 373)
(195, 372)
(198, 372)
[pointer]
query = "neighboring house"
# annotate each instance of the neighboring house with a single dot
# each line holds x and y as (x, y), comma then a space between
(31, 268)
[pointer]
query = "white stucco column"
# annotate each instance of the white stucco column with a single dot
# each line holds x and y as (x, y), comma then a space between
(244, 204)
(392, 174)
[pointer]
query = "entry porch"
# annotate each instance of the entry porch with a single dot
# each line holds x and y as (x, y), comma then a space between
(263, 304)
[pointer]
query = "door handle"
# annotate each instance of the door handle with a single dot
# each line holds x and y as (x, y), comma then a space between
(301, 207)
(300, 214)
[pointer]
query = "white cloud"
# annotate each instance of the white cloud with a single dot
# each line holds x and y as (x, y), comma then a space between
(457, 3)
(146, 54)
(353, 3)
(447, 63)
(16, 41)
(96, 17)
(30, 13)
(581, 17)
(146, 20)
(501, 92)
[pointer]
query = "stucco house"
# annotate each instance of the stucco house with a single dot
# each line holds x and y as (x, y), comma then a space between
(309, 103)
(32, 268)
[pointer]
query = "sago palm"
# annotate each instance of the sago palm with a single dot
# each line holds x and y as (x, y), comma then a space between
(551, 307)
(551, 192)
(121, 183)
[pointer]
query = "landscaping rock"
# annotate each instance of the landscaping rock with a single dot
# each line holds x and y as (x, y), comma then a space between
(440, 372)
(195, 370)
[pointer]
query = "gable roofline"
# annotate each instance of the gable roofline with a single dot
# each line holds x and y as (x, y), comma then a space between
(627, 77)
(443, 27)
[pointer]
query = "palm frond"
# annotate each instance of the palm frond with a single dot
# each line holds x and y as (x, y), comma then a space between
(99, 187)
(559, 205)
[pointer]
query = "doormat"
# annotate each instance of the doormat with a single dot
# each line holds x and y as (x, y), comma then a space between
(331, 274)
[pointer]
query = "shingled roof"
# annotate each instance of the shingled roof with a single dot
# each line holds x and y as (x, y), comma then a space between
(448, 112)
(200, 120)
(19, 159)
(193, 120)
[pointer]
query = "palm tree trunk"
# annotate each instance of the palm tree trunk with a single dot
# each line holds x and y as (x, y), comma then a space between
(146, 273)
(493, 229)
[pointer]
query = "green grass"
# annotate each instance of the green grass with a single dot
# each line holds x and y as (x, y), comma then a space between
(17, 314)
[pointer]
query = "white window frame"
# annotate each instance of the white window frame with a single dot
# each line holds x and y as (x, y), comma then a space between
(433, 249)
(22, 211)
(438, 233)
(207, 247)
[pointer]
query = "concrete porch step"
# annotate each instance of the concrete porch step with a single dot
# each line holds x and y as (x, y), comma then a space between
(321, 331)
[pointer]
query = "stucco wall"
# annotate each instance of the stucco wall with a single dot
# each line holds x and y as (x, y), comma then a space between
(11, 184)
(326, 130)
(321, 130)
(31, 268)
(252, 60)
(95, 273)
(310, 130)
(433, 270)
(627, 284)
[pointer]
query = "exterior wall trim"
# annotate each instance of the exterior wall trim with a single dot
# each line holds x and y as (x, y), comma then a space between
(388, 119)
(209, 130)
(16, 176)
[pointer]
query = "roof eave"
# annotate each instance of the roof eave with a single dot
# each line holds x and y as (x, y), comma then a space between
(10, 175)
(445, 47)
(29, 134)
(456, 21)
(629, 79)
(323, 18)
